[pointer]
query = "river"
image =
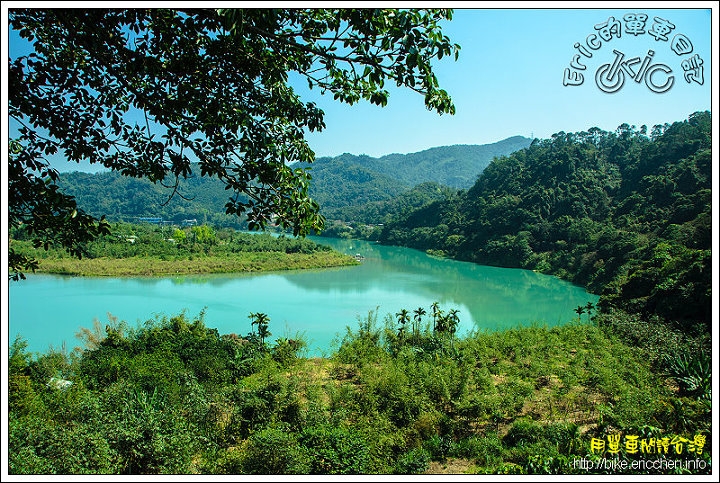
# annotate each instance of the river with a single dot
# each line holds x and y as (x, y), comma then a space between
(47, 310)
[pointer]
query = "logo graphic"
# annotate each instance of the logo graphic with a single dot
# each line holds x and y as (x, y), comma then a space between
(611, 77)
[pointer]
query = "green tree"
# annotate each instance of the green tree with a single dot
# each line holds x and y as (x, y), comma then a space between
(452, 321)
(436, 314)
(204, 234)
(253, 320)
(262, 321)
(147, 92)
(179, 235)
(403, 318)
(417, 319)
(579, 310)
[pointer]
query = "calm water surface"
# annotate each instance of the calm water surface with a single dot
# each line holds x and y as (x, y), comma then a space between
(317, 304)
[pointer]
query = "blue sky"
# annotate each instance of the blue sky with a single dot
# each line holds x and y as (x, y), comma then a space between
(509, 80)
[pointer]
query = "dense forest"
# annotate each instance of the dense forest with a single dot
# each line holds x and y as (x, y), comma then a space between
(456, 166)
(124, 199)
(625, 214)
(366, 220)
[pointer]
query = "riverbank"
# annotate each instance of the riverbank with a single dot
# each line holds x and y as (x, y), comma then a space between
(192, 265)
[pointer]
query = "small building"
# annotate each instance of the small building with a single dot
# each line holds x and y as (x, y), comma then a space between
(150, 219)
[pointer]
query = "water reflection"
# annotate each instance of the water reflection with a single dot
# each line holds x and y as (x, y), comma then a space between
(316, 303)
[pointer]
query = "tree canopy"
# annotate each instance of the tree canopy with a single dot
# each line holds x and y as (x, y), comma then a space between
(148, 92)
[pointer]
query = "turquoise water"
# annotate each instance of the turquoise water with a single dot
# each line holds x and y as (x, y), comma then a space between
(317, 304)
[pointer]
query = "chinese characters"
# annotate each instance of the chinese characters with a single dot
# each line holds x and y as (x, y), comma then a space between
(632, 444)
(610, 77)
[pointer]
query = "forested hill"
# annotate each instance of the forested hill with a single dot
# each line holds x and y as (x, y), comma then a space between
(343, 183)
(624, 213)
(122, 198)
(457, 166)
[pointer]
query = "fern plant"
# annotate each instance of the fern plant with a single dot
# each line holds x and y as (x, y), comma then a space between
(692, 373)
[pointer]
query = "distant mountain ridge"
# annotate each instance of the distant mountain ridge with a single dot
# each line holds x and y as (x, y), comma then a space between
(338, 183)
(351, 180)
(457, 166)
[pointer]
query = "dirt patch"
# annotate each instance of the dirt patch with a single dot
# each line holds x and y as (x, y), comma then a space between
(451, 466)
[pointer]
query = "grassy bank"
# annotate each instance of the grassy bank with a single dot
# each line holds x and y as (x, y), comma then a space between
(155, 266)
(147, 250)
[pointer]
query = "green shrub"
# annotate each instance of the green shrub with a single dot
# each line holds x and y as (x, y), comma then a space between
(335, 450)
(486, 451)
(633, 407)
(285, 351)
(37, 446)
(545, 460)
(54, 363)
(439, 447)
(149, 436)
(273, 451)
(393, 395)
(413, 462)
(22, 396)
(72, 403)
(514, 393)
(157, 370)
(523, 432)
(693, 374)
(684, 415)
(261, 400)
(253, 410)
(362, 346)
(565, 436)
(24, 461)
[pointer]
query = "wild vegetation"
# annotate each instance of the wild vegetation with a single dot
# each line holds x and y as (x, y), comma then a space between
(123, 199)
(407, 397)
(145, 249)
(348, 186)
(401, 396)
